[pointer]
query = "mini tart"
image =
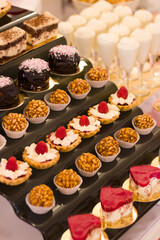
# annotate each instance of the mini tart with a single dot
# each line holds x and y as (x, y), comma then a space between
(40, 165)
(17, 181)
(85, 134)
(123, 108)
(104, 121)
(4, 10)
(64, 148)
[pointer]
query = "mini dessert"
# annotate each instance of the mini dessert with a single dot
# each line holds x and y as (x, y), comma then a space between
(110, 18)
(145, 182)
(79, 88)
(15, 125)
(116, 205)
(40, 199)
(97, 77)
(66, 29)
(64, 59)
(5, 6)
(88, 164)
(105, 112)
(144, 16)
(76, 21)
(103, 6)
(123, 100)
(90, 13)
(14, 172)
(67, 181)
(33, 74)
(86, 126)
(85, 227)
(12, 42)
(64, 140)
(36, 111)
(132, 22)
(40, 155)
(120, 29)
(122, 11)
(127, 135)
(144, 124)
(9, 92)
(41, 28)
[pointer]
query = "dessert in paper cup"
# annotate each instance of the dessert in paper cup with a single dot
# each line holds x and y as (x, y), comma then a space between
(126, 137)
(89, 163)
(79, 88)
(107, 149)
(15, 125)
(42, 205)
(3, 141)
(97, 77)
(143, 124)
(67, 181)
(57, 100)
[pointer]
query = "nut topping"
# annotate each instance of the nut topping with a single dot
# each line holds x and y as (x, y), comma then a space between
(97, 74)
(108, 146)
(59, 97)
(88, 162)
(79, 86)
(127, 135)
(41, 196)
(67, 178)
(36, 108)
(143, 121)
(15, 122)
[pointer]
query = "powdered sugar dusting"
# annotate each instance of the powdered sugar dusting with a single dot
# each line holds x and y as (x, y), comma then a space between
(4, 81)
(63, 50)
(34, 64)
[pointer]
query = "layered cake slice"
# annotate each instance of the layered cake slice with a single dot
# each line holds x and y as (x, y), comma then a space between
(41, 28)
(145, 182)
(12, 42)
(116, 205)
(85, 227)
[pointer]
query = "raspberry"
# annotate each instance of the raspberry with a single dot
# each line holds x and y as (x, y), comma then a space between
(122, 92)
(41, 148)
(102, 107)
(61, 132)
(12, 164)
(84, 121)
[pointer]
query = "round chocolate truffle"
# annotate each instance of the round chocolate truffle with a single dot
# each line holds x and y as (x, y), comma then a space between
(64, 59)
(33, 74)
(9, 92)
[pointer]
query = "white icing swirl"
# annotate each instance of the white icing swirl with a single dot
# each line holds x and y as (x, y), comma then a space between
(94, 124)
(69, 139)
(116, 100)
(10, 174)
(113, 111)
(51, 154)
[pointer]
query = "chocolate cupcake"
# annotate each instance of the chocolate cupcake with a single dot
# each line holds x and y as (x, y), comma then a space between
(33, 74)
(64, 59)
(9, 92)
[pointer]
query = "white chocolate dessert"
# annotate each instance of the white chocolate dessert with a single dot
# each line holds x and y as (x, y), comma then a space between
(103, 6)
(66, 29)
(132, 22)
(122, 11)
(144, 16)
(120, 29)
(89, 13)
(154, 29)
(76, 21)
(97, 26)
(41, 28)
(109, 18)
(12, 42)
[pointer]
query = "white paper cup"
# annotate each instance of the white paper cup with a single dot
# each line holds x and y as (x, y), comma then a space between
(37, 120)
(3, 141)
(106, 158)
(53, 106)
(67, 191)
(124, 144)
(36, 209)
(78, 96)
(85, 173)
(144, 131)
(96, 84)
(15, 135)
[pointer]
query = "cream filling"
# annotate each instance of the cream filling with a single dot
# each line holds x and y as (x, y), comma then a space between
(51, 154)
(69, 139)
(22, 170)
(95, 234)
(119, 213)
(13, 51)
(42, 37)
(147, 191)
(116, 100)
(94, 124)
(113, 112)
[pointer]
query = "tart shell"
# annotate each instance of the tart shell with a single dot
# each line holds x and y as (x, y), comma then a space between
(4, 11)
(40, 165)
(124, 108)
(20, 180)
